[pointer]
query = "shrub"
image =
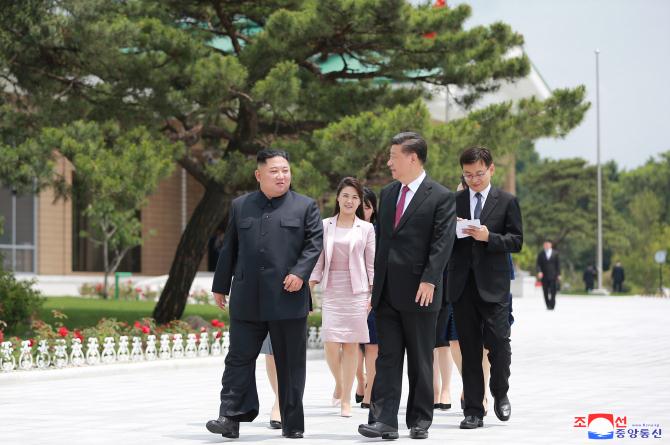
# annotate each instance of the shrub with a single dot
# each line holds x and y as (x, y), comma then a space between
(19, 302)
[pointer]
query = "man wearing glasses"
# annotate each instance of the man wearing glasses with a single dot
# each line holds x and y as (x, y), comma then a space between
(478, 284)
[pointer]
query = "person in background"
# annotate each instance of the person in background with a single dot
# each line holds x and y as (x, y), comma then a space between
(271, 370)
(618, 276)
(548, 267)
(345, 270)
(589, 277)
(371, 348)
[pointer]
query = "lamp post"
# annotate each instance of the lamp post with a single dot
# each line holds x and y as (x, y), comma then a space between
(599, 254)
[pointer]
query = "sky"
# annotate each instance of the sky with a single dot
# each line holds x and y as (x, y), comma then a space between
(634, 41)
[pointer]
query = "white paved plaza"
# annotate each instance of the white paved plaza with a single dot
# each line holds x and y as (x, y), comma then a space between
(592, 355)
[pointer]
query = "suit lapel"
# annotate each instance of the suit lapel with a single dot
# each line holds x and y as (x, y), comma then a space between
(490, 203)
(330, 237)
(421, 194)
(355, 235)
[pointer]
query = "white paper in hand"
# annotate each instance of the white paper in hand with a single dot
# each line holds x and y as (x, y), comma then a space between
(464, 224)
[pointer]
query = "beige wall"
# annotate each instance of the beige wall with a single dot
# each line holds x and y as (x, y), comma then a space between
(163, 215)
(54, 228)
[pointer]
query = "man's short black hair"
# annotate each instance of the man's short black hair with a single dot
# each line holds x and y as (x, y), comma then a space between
(267, 153)
(475, 154)
(412, 142)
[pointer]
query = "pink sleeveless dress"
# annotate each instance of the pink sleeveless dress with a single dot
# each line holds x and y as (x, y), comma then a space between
(344, 314)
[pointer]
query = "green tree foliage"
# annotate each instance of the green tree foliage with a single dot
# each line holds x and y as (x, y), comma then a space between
(331, 80)
(119, 169)
(559, 203)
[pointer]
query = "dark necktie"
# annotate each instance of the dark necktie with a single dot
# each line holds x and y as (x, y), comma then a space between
(400, 206)
(478, 206)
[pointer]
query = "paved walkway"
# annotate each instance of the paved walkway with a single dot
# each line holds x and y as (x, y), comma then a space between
(592, 355)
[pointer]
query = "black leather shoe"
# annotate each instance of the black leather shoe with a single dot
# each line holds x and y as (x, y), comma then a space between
(293, 435)
(378, 429)
(502, 408)
(418, 433)
(471, 422)
(275, 424)
(365, 405)
(224, 426)
(437, 406)
(359, 398)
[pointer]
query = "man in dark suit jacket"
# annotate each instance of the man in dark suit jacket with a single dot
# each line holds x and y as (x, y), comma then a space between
(273, 240)
(549, 272)
(416, 232)
(618, 276)
(478, 284)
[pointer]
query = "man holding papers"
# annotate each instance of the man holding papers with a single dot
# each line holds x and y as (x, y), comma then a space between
(489, 228)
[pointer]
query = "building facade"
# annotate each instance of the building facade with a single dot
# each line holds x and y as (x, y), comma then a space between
(42, 235)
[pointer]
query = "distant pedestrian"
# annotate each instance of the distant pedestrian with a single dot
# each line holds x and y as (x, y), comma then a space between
(589, 277)
(549, 272)
(618, 276)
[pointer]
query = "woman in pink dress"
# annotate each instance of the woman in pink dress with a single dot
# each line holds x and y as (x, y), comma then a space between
(345, 270)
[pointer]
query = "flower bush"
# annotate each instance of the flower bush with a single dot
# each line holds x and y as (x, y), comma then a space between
(200, 296)
(127, 291)
(19, 303)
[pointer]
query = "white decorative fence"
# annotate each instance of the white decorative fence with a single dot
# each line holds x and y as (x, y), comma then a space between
(58, 354)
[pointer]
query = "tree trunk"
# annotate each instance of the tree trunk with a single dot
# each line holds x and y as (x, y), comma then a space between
(105, 262)
(509, 184)
(206, 217)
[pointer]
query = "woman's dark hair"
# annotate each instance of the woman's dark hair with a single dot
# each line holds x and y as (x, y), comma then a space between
(370, 199)
(475, 154)
(350, 182)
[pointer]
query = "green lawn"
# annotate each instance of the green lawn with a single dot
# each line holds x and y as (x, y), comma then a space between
(85, 312)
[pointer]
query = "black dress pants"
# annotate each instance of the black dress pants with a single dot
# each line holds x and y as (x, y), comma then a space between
(477, 320)
(239, 396)
(398, 332)
(549, 290)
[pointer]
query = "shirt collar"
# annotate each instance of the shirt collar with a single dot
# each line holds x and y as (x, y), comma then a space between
(484, 192)
(263, 200)
(414, 185)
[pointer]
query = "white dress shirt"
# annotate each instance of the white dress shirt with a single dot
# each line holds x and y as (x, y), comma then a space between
(548, 253)
(473, 199)
(413, 187)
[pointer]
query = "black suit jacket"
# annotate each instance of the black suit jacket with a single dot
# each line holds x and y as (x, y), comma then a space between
(266, 240)
(488, 260)
(418, 249)
(550, 268)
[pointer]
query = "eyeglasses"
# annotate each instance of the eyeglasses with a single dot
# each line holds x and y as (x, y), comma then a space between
(479, 175)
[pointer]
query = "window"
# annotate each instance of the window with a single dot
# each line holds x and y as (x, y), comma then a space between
(17, 241)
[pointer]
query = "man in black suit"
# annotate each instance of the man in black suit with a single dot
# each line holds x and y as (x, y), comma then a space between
(478, 284)
(273, 240)
(416, 233)
(549, 272)
(618, 275)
